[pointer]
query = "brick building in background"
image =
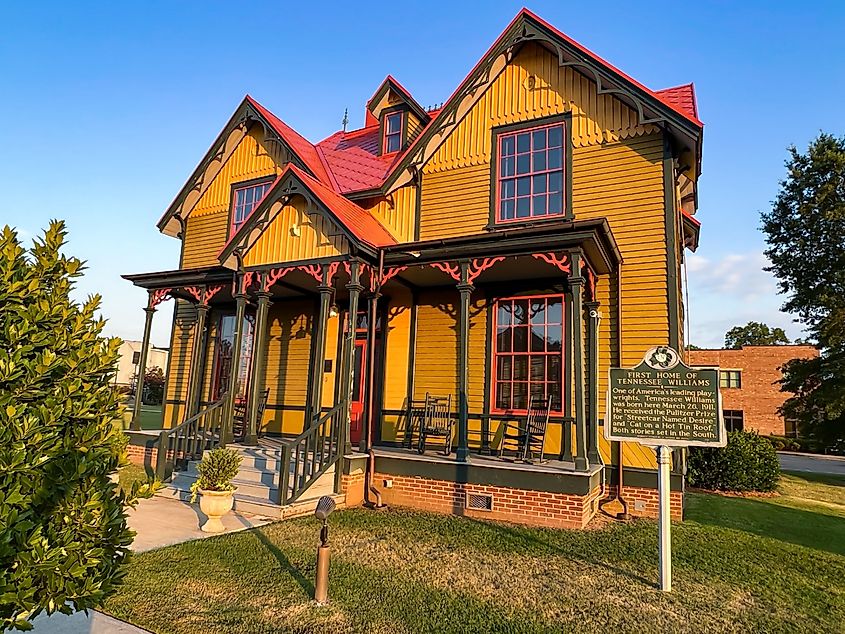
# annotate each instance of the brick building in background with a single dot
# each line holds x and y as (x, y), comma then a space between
(749, 379)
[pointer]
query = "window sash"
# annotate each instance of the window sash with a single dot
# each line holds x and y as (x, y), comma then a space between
(730, 379)
(245, 200)
(393, 132)
(539, 190)
(521, 367)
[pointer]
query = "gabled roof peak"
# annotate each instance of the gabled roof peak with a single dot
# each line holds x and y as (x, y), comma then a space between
(391, 84)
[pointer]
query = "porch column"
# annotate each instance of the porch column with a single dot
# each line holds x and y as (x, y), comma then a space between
(372, 306)
(576, 283)
(354, 287)
(240, 313)
(142, 365)
(195, 376)
(315, 402)
(259, 362)
(594, 317)
(465, 289)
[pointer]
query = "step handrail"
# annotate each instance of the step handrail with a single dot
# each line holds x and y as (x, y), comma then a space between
(187, 440)
(310, 454)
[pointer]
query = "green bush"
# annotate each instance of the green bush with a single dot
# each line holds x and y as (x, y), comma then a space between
(63, 533)
(216, 471)
(747, 463)
(783, 443)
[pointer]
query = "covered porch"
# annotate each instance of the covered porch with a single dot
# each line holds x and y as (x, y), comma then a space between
(339, 350)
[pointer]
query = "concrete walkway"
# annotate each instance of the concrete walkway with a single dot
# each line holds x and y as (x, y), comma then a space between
(812, 463)
(158, 522)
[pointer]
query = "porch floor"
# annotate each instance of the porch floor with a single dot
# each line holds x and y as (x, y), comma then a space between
(492, 462)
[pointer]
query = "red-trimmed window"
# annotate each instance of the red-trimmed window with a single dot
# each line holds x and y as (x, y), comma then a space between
(244, 200)
(392, 133)
(528, 352)
(530, 178)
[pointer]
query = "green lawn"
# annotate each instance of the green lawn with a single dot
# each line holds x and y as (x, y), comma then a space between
(741, 565)
(151, 417)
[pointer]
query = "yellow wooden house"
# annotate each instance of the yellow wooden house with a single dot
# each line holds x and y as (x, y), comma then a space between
(496, 253)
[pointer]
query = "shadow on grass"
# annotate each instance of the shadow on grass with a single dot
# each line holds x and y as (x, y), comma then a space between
(795, 526)
(285, 563)
(830, 479)
(525, 536)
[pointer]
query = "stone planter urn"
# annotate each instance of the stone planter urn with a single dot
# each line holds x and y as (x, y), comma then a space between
(215, 504)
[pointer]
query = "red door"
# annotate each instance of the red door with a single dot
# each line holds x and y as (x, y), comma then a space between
(359, 390)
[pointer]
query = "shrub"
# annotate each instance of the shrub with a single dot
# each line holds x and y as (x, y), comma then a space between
(63, 533)
(216, 471)
(747, 463)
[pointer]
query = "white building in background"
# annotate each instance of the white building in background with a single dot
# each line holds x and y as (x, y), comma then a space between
(130, 353)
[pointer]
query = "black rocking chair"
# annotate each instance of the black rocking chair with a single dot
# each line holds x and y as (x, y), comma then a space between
(532, 436)
(414, 414)
(241, 416)
(437, 421)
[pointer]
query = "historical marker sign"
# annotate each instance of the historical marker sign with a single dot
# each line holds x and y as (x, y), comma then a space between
(665, 402)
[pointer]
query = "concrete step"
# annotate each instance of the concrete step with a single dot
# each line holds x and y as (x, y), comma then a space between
(268, 477)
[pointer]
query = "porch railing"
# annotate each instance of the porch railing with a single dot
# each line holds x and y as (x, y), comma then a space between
(178, 445)
(312, 453)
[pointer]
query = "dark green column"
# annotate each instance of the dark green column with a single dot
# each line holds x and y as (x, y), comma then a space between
(142, 366)
(354, 287)
(259, 364)
(372, 316)
(195, 376)
(576, 286)
(593, 320)
(465, 289)
(315, 402)
(240, 313)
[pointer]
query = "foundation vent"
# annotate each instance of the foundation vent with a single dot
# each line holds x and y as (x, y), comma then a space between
(479, 501)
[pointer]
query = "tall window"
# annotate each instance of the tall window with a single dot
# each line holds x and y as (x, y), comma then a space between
(733, 419)
(224, 346)
(528, 352)
(530, 179)
(730, 378)
(392, 133)
(244, 200)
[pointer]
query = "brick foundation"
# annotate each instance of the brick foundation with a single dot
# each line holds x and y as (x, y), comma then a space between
(352, 486)
(520, 506)
(643, 502)
(142, 455)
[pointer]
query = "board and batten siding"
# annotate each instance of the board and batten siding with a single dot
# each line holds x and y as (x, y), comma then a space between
(178, 363)
(397, 212)
(617, 173)
(207, 224)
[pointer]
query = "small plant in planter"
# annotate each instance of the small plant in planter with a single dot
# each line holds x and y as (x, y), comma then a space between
(214, 485)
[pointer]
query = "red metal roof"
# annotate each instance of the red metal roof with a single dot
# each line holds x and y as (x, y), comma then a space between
(360, 222)
(353, 159)
(301, 146)
(681, 98)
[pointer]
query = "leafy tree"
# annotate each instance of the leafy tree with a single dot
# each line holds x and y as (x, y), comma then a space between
(63, 532)
(754, 333)
(693, 347)
(805, 231)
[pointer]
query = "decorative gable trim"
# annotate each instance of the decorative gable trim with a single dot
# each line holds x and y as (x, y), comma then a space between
(527, 27)
(235, 130)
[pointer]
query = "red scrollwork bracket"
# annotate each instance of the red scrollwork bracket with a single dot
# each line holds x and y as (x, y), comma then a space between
(389, 273)
(590, 276)
(314, 270)
(274, 275)
(479, 265)
(158, 296)
(452, 270)
(561, 262)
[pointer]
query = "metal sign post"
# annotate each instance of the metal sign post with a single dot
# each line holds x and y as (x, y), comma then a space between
(665, 403)
(664, 518)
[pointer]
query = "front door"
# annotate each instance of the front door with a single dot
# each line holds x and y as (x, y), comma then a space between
(359, 391)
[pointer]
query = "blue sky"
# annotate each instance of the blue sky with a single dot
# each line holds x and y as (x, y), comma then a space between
(108, 107)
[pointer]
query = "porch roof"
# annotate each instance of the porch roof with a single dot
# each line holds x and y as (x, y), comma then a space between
(594, 237)
(181, 277)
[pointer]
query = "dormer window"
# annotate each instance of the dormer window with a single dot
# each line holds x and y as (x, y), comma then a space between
(392, 133)
(245, 198)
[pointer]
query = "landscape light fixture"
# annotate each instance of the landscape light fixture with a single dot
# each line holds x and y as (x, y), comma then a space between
(325, 507)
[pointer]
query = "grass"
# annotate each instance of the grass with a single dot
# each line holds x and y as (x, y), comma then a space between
(151, 417)
(741, 565)
(132, 473)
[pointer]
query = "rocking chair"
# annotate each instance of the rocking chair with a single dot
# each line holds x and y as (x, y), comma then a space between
(437, 421)
(531, 437)
(241, 416)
